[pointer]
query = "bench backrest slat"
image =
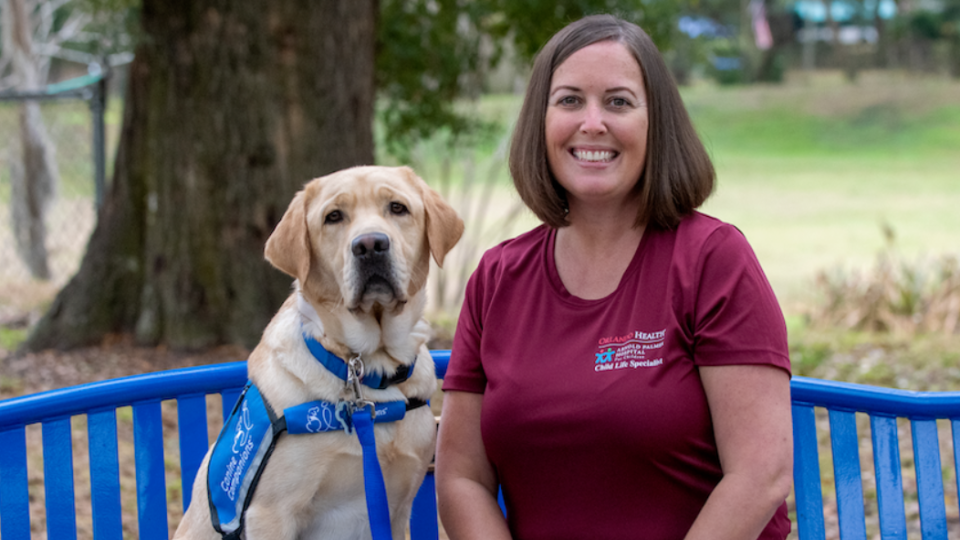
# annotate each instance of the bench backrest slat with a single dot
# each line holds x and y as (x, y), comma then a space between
(806, 473)
(886, 466)
(14, 495)
(846, 474)
(192, 425)
(423, 520)
(104, 475)
(229, 398)
(926, 457)
(58, 479)
(151, 477)
(955, 431)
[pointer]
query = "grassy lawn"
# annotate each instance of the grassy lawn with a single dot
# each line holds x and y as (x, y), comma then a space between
(813, 171)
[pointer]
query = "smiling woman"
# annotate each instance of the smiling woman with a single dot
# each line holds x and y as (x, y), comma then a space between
(646, 365)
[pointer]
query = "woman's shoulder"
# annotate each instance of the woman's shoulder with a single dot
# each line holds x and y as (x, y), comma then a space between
(705, 232)
(698, 224)
(699, 238)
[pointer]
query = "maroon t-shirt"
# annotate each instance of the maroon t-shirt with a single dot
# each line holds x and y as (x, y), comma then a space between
(594, 417)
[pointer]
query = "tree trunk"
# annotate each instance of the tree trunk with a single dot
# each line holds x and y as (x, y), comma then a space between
(34, 175)
(33, 179)
(231, 107)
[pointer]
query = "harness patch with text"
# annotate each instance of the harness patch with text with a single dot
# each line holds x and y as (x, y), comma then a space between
(238, 457)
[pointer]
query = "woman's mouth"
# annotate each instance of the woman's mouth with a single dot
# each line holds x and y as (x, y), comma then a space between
(594, 156)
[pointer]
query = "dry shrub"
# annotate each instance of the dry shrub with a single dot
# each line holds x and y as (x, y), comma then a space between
(896, 295)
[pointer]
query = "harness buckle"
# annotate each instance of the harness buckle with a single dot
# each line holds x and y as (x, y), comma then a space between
(344, 415)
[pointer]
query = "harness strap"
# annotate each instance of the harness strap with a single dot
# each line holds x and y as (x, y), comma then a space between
(338, 366)
(323, 416)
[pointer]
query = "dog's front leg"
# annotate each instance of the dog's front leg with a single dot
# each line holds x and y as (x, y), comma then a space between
(264, 522)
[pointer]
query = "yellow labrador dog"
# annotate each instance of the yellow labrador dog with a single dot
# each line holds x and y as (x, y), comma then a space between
(358, 243)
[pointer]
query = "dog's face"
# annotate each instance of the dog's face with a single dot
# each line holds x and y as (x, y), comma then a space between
(363, 237)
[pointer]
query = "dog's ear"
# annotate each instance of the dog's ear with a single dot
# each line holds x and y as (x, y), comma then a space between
(444, 226)
(288, 248)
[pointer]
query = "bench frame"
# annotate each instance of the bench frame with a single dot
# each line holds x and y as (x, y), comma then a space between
(189, 387)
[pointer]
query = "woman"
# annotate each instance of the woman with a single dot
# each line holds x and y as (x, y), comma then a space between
(620, 371)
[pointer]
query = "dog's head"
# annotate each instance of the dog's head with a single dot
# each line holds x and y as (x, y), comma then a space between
(363, 237)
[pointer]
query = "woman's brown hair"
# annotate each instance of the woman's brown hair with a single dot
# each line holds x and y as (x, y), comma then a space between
(677, 176)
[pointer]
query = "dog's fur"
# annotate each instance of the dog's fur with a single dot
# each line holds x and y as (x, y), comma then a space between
(313, 484)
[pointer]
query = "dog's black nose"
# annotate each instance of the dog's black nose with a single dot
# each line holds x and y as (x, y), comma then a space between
(370, 244)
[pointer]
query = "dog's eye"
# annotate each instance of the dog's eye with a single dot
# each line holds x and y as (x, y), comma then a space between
(334, 217)
(398, 209)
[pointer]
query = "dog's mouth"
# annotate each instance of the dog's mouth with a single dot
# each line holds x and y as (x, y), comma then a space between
(378, 285)
(375, 290)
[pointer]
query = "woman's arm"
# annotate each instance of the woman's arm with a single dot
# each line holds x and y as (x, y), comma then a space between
(752, 422)
(466, 482)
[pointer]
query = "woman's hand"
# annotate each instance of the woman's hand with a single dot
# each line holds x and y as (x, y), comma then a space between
(466, 482)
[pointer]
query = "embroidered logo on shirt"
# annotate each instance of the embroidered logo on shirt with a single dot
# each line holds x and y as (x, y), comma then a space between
(635, 350)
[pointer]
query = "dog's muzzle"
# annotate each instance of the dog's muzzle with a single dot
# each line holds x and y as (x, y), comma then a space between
(374, 267)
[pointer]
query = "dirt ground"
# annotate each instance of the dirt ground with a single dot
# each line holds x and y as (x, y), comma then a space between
(116, 357)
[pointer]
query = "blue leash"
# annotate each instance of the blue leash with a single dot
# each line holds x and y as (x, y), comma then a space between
(374, 486)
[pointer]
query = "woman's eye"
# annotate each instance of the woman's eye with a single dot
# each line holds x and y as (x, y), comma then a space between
(567, 100)
(619, 102)
(398, 209)
(335, 216)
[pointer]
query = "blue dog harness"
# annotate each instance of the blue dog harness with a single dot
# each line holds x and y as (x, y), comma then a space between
(250, 435)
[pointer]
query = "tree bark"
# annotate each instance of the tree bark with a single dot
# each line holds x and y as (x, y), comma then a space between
(231, 107)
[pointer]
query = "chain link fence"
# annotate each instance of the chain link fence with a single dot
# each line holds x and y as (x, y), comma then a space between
(52, 177)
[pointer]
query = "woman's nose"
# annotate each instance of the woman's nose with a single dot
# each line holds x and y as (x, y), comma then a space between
(593, 121)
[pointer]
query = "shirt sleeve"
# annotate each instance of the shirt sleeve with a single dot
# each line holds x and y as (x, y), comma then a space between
(737, 317)
(465, 371)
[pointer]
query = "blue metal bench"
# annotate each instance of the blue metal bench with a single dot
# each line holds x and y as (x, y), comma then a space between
(189, 388)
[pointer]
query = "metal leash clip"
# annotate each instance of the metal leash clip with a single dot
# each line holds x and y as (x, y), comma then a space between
(354, 376)
(360, 404)
(347, 406)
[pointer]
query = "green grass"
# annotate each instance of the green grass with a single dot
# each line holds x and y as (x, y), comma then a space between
(812, 173)
(11, 338)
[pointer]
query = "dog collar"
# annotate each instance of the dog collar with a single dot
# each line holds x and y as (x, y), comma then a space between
(338, 366)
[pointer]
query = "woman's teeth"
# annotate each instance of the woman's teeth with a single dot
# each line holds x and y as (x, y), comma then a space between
(593, 155)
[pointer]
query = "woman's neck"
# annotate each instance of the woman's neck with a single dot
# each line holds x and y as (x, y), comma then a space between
(592, 255)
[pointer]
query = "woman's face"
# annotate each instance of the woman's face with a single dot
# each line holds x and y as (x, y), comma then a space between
(596, 124)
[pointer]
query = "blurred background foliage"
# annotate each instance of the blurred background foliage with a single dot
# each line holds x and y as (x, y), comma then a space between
(433, 54)
(821, 116)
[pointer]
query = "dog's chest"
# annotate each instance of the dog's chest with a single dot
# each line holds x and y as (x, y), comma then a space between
(323, 478)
